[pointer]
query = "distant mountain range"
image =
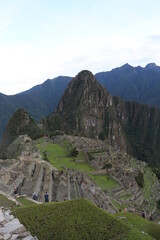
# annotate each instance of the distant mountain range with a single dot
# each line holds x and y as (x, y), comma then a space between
(130, 83)
(39, 101)
(133, 83)
(87, 109)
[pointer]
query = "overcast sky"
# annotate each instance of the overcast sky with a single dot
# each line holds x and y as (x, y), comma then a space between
(41, 39)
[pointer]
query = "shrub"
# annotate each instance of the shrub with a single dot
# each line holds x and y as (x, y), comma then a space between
(45, 157)
(73, 152)
(140, 179)
(107, 166)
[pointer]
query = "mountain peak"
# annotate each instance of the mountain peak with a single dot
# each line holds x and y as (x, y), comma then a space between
(151, 66)
(85, 76)
(126, 66)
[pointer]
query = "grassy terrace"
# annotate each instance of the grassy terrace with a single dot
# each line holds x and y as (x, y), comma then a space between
(149, 178)
(75, 219)
(58, 156)
(118, 205)
(104, 181)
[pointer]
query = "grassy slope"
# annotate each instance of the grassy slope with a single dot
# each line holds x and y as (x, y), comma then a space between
(75, 219)
(142, 224)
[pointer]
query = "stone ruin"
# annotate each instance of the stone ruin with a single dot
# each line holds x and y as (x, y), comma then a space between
(29, 173)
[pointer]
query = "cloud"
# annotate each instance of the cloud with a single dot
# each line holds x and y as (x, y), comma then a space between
(26, 65)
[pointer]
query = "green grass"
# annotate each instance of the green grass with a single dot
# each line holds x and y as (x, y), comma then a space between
(75, 219)
(118, 205)
(125, 196)
(136, 234)
(59, 158)
(136, 221)
(104, 181)
(5, 202)
(25, 202)
(149, 180)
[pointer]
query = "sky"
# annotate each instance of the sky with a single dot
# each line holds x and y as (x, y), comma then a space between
(43, 39)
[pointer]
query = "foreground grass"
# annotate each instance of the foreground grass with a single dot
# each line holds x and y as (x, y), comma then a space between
(136, 221)
(75, 219)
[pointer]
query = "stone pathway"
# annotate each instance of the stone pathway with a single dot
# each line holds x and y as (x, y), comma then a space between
(11, 228)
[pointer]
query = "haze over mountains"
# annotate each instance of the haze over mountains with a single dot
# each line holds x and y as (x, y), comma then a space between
(130, 83)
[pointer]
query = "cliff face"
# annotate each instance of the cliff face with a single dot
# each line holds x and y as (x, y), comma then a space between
(87, 109)
(143, 132)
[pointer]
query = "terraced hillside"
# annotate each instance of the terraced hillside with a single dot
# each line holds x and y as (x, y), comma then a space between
(78, 167)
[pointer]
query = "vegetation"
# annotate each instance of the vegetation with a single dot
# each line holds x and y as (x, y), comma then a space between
(45, 157)
(134, 220)
(76, 219)
(73, 152)
(118, 205)
(5, 202)
(81, 219)
(57, 155)
(104, 181)
(25, 202)
(157, 172)
(158, 204)
(107, 166)
(140, 179)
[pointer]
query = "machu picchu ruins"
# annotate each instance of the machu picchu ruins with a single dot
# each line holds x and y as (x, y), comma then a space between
(29, 173)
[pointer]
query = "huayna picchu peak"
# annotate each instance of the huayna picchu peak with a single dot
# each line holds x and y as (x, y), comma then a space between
(88, 109)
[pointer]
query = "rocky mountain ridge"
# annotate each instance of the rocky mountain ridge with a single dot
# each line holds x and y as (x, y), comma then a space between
(140, 84)
(88, 109)
(130, 83)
